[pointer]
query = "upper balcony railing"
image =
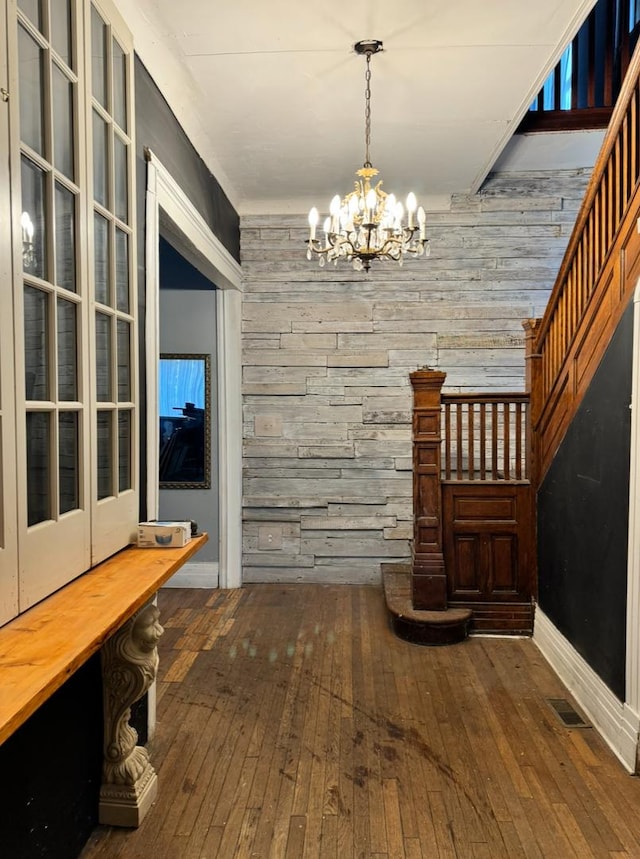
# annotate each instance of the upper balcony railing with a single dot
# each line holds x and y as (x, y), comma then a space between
(583, 88)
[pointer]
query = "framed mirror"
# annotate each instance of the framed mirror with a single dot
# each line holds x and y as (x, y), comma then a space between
(185, 421)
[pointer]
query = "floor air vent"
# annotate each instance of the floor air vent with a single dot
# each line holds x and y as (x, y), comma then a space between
(566, 713)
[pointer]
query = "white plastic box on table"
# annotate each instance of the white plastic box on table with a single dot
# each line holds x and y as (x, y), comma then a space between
(163, 535)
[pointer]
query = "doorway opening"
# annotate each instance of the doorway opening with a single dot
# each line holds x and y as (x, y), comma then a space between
(188, 408)
(171, 219)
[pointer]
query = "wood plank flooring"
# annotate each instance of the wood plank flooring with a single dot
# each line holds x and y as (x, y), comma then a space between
(293, 724)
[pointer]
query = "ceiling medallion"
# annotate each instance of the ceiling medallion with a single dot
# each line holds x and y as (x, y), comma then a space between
(368, 223)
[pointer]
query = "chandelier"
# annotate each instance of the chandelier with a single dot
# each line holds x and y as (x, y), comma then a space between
(368, 223)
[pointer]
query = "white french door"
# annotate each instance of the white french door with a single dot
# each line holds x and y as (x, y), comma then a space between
(8, 524)
(68, 367)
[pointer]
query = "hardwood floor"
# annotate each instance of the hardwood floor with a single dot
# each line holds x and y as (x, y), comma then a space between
(292, 723)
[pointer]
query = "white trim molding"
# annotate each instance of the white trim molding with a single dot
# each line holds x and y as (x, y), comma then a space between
(152, 337)
(203, 574)
(616, 721)
(633, 553)
(167, 204)
(229, 314)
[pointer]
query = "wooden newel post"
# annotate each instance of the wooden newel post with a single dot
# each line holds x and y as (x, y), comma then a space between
(428, 576)
(533, 386)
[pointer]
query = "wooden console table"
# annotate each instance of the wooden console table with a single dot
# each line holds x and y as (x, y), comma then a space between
(109, 608)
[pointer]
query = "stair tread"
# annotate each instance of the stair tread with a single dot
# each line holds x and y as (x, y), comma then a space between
(397, 590)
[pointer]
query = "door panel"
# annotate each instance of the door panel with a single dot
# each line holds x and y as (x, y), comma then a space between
(488, 552)
(465, 575)
(503, 563)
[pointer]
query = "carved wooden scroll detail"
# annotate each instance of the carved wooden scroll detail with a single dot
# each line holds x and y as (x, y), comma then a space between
(129, 666)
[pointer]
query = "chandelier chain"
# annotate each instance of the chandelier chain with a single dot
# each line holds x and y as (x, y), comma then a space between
(367, 111)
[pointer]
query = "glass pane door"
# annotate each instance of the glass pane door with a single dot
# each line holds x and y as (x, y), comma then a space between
(115, 489)
(8, 532)
(68, 342)
(51, 303)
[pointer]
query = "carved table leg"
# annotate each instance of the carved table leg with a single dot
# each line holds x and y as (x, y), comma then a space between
(129, 665)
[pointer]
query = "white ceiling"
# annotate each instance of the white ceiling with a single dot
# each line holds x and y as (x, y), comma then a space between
(271, 92)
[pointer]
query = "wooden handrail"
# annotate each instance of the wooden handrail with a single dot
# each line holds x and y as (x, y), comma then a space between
(596, 278)
(613, 183)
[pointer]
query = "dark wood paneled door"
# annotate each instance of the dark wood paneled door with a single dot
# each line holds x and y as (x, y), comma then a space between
(488, 543)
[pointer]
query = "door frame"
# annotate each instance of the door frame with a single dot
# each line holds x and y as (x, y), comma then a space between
(167, 206)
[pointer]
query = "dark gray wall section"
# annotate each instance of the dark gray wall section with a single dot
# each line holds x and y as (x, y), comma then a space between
(177, 273)
(583, 508)
(52, 768)
(159, 130)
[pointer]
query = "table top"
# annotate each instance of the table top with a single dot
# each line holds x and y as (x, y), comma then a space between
(41, 648)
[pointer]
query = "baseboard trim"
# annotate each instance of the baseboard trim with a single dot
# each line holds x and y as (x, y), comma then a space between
(284, 575)
(615, 721)
(203, 574)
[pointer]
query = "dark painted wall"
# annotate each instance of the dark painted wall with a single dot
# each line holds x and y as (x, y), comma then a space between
(177, 273)
(158, 129)
(51, 773)
(583, 507)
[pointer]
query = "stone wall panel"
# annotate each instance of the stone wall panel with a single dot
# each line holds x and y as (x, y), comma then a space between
(327, 355)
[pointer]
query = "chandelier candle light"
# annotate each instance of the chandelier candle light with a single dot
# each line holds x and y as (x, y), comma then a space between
(368, 223)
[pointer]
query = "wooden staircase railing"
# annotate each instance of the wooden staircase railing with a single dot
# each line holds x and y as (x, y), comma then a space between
(485, 436)
(473, 505)
(596, 279)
